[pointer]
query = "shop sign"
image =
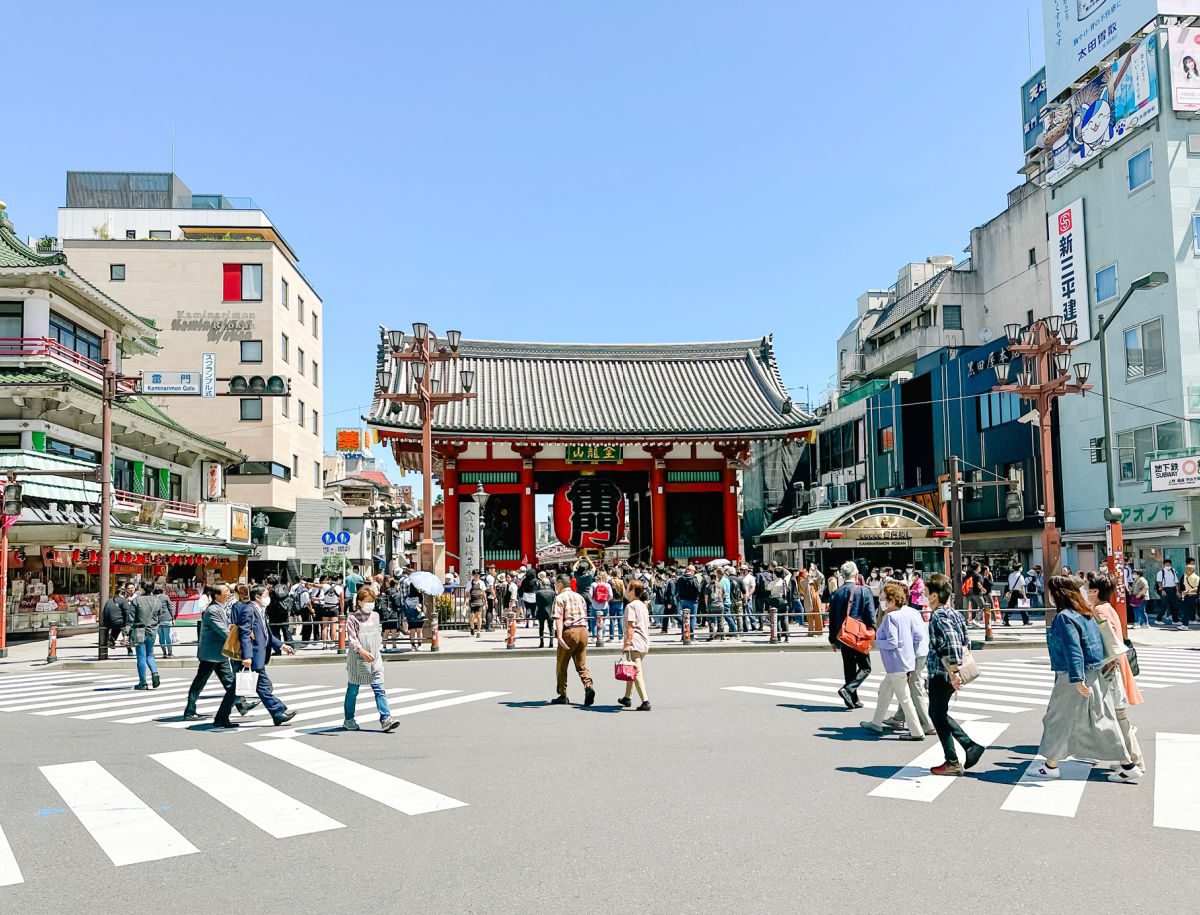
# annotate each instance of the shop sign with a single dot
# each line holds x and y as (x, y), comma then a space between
(213, 320)
(212, 478)
(349, 440)
(589, 512)
(1172, 474)
(893, 536)
(594, 454)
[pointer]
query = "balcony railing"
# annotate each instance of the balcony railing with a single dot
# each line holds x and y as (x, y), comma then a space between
(136, 500)
(273, 536)
(25, 348)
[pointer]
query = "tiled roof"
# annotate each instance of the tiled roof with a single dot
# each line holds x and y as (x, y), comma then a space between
(910, 302)
(15, 253)
(531, 390)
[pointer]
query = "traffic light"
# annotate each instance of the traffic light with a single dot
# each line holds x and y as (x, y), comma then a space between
(1014, 505)
(258, 386)
(12, 498)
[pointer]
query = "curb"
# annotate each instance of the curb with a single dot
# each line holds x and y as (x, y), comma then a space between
(492, 654)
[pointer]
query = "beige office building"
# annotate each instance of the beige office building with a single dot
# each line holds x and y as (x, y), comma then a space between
(215, 276)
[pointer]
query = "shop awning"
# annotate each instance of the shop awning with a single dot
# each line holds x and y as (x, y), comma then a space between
(165, 546)
(1149, 533)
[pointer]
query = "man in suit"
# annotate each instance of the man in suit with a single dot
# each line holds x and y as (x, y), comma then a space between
(258, 644)
(214, 629)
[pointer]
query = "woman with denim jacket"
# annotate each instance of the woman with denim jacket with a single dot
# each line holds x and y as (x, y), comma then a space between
(1080, 719)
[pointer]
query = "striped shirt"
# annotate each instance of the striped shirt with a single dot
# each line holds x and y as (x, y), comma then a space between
(571, 608)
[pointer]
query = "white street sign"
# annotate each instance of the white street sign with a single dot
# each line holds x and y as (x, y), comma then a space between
(208, 375)
(170, 382)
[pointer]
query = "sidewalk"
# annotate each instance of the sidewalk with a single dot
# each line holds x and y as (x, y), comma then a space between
(78, 652)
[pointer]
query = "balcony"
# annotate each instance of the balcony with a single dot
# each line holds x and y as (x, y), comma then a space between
(273, 536)
(26, 351)
(902, 351)
(214, 202)
(150, 504)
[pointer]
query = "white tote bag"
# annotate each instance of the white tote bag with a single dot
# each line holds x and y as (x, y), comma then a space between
(245, 683)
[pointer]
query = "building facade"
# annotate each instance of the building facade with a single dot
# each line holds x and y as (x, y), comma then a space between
(215, 276)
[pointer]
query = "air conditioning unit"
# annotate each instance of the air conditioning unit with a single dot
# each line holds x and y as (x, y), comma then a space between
(900, 377)
(818, 498)
(837, 493)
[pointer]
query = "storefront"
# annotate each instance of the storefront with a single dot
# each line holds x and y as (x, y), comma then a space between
(874, 534)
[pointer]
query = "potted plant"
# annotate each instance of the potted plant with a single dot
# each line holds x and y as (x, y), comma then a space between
(46, 243)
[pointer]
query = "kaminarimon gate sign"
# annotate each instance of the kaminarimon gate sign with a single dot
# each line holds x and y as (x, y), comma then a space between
(644, 441)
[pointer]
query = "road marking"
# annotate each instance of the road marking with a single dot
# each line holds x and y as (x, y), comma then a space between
(15, 683)
(71, 687)
(141, 697)
(45, 700)
(364, 702)
(822, 699)
(1052, 797)
(915, 782)
(126, 829)
(1176, 762)
(268, 808)
(169, 702)
(208, 705)
(370, 783)
(10, 872)
(958, 703)
(400, 712)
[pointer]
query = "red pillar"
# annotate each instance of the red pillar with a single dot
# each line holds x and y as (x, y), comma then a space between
(450, 516)
(733, 533)
(528, 509)
(658, 511)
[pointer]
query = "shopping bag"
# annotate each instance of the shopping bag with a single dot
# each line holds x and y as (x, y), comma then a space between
(245, 683)
(624, 669)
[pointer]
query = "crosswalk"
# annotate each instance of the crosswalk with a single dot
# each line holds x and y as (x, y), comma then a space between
(128, 830)
(91, 697)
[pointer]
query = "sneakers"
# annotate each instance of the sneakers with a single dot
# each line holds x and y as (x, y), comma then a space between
(142, 685)
(388, 725)
(929, 732)
(349, 725)
(625, 702)
(948, 768)
(974, 754)
(1126, 776)
(846, 697)
(589, 696)
(224, 725)
(871, 726)
(644, 707)
(894, 723)
(909, 735)
(1041, 770)
(154, 679)
(192, 716)
(560, 700)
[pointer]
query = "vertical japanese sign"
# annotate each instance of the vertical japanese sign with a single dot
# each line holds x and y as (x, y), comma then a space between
(208, 374)
(469, 554)
(1068, 267)
(1033, 100)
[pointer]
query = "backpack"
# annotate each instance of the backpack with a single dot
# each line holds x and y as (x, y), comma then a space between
(967, 585)
(602, 593)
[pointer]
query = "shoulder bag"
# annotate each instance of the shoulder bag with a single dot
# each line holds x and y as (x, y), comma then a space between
(855, 634)
(968, 670)
(1113, 646)
(1131, 656)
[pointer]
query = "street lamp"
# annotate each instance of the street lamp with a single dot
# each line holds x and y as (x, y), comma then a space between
(481, 499)
(1113, 514)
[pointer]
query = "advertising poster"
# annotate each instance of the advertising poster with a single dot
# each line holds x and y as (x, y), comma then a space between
(1033, 100)
(239, 525)
(1184, 54)
(1068, 266)
(1123, 97)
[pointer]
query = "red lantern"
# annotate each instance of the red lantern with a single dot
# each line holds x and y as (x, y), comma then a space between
(589, 512)
(76, 555)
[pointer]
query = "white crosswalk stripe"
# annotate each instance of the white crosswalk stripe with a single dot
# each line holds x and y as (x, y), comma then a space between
(71, 687)
(1176, 800)
(140, 697)
(824, 699)
(1052, 797)
(10, 872)
(212, 704)
(397, 712)
(835, 685)
(126, 829)
(915, 782)
(365, 703)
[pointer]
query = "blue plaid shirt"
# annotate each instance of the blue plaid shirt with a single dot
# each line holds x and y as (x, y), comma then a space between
(947, 636)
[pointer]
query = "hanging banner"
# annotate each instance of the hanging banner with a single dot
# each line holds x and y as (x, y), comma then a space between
(1184, 47)
(1033, 100)
(1123, 97)
(469, 554)
(212, 479)
(349, 440)
(1068, 267)
(589, 513)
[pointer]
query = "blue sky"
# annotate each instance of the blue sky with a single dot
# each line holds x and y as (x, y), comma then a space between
(598, 171)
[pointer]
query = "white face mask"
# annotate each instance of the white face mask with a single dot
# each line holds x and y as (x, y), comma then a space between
(366, 608)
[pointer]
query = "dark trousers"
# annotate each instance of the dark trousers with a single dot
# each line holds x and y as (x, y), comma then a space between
(856, 668)
(948, 730)
(1168, 602)
(490, 614)
(113, 633)
(309, 630)
(548, 624)
(283, 631)
(266, 692)
(1189, 609)
(1013, 597)
(224, 673)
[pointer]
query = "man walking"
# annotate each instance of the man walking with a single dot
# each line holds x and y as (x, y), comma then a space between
(353, 582)
(214, 629)
(1191, 588)
(687, 596)
(258, 644)
(571, 633)
(118, 614)
(851, 600)
(1016, 594)
(1166, 583)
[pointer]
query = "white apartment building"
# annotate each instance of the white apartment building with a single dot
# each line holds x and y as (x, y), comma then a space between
(215, 276)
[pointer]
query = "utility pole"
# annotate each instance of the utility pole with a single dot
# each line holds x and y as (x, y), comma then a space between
(107, 396)
(956, 528)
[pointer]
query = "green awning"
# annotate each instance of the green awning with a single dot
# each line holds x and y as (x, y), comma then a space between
(164, 546)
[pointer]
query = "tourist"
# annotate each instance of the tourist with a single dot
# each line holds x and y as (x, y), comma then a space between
(778, 591)
(687, 597)
(142, 630)
(390, 607)
(258, 643)
(815, 610)
(165, 617)
(476, 604)
(1190, 588)
(616, 606)
(571, 635)
(898, 637)
(414, 614)
(749, 582)
(327, 610)
(117, 616)
(353, 582)
(1116, 675)
(544, 609)
(598, 595)
(527, 589)
(916, 594)
(1139, 591)
(972, 589)
(214, 630)
(851, 600)
(364, 664)
(737, 599)
(1034, 588)
(636, 643)
(278, 612)
(948, 643)
(1015, 595)
(1167, 587)
(1080, 719)
(725, 579)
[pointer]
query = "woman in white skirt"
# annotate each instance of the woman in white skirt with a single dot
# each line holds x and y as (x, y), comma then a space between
(364, 660)
(1080, 719)
(1117, 675)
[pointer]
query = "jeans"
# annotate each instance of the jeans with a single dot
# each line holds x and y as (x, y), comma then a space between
(752, 621)
(731, 623)
(145, 656)
(948, 730)
(1139, 614)
(224, 672)
(381, 703)
(615, 611)
(855, 669)
(164, 639)
(688, 608)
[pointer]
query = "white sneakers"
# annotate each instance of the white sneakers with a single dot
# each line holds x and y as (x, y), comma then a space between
(1126, 776)
(1041, 770)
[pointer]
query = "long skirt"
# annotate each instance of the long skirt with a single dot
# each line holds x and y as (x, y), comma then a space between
(1085, 728)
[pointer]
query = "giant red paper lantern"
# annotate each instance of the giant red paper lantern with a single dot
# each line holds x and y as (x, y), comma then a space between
(589, 512)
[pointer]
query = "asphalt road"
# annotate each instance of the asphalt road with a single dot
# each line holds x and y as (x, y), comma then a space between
(718, 800)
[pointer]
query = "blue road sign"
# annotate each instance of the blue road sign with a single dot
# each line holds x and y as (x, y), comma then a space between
(329, 538)
(343, 537)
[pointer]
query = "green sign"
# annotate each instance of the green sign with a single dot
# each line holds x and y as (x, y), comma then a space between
(594, 454)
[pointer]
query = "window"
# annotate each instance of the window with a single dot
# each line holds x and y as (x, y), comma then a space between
(160, 234)
(116, 272)
(123, 475)
(1141, 169)
(300, 309)
(1196, 234)
(300, 360)
(10, 441)
(12, 322)
(997, 408)
(1169, 436)
(295, 465)
(259, 469)
(1033, 257)
(1136, 445)
(176, 491)
(252, 351)
(243, 282)
(285, 402)
(1106, 283)
(316, 375)
(972, 493)
(283, 347)
(887, 439)
(130, 234)
(300, 413)
(317, 474)
(283, 292)
(952, 317)
(66, 449)
(316, 422)
(1144, 350)
(74, 337)
(315, 324)
(251, 408)
(1096, 451)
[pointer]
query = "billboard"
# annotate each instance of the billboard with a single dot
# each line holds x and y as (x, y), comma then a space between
(1173, 474)
(1033, 100)
(1183, 46)
(1068, 267)
(1079, 34)
(350, 440)
(1121, 98)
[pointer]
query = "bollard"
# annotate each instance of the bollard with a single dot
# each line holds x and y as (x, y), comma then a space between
(52, 649)
(433, 632)
(599, 628)
(774, 630)
(686, 619)
(511, 641)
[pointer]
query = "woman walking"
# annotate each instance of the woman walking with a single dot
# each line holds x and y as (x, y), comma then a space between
(364, 664)
(1117, 675)
(637, 641)
(141, 632)
(898, 637)
(1080, 719)
(815, 609)
(947, 643)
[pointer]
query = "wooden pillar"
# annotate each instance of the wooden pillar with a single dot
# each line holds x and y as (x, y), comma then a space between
(658, 502)
(450, 498)
(528, 504)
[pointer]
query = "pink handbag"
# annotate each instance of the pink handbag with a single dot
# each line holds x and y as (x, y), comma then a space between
(624, 669)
